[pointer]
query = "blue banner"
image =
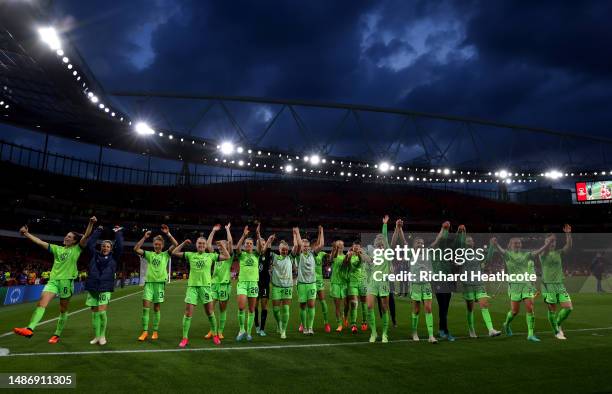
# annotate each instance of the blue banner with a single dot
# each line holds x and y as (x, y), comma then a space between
(32, 293)
(14, 295)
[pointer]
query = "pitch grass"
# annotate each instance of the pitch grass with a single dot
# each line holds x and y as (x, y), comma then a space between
(580, 364)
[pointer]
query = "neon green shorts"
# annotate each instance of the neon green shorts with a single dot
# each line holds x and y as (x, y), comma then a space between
(221, 291)
(555, 293)
(520, 291)
(154, 292)
(357, 289)
(379, 289)
(474, 292)
(198, 295)
(249, 289)
(62, 287)
(95, 298)
(306, 291)
(281, 293)
(339, 290)
(420, 291)
(320, 284)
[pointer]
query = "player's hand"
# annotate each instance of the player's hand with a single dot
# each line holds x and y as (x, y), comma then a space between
(23, 230)
(296, 230)
(446, 225)
(494, 241)
(93, 220)
(228, 226)
(147, 234)
(399, 223)
(187, 242)
(165, 229)
(117, 228)
(100, 228)
(271, 238)
(245, 231)
(567, 229)
(461, 228)
(385, 219)
(216, 227)
(320, 228)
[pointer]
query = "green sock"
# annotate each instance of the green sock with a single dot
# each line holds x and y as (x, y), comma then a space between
(222, 319)
(509, 318)
(156, 319)
(276, 311)
(61, 322)
(530, 323)
(385, 321)
(103, 320)
(563, 314)
(429, 323)
(470, 320)
(353, 313)
(38, 314)
(310, 315)
(250, 322)
(364, 312)
(95, 323)
(372, 321)
(241, 320)
(284, 318)
(186, 326)
(415, 322)
(486, 316)
(552, 319)
(339, 319)
(303, 316)
(213, 323)
(324, 311)
(145, 319)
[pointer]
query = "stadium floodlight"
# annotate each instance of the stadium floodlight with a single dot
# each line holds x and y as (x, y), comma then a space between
(503, 174)
(553, 174)
(143, 129)
(94, 99)
(65, 59)
(384, 166)
(288, 168)
(49, 36)
(227, 148)
(315, 159)
(240, 149)
(446, 171)
(240, 163)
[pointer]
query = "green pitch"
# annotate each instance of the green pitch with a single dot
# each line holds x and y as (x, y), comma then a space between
(580, 364)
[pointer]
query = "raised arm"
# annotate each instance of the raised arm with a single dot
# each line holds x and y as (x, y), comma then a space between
(398, 233)
(93, 240)
(385, 232)
(178, 250)
(88, 230)
(442, 235)
(166, 230)
(211, 236)
(223, 252)
(297, 242)
(497, 246)
(138, 246)
(541, 250)
(334, 251)
(567, 229)
(268, 243)
(320, 241)
(230, 241)
(118, 246)
(25, 232)
(245, 232)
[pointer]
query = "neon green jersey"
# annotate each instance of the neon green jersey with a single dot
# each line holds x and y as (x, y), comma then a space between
(200, 265)
(517, 263)
(249, 266)
(339, 272)
(552, 267)
(223, 270)
(157, 266)
(355, 271)
(65, 261)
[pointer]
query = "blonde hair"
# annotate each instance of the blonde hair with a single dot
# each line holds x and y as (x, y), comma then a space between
(158, 238)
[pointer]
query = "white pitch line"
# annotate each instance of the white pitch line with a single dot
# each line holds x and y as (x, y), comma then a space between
(265, 347)
(74, 312)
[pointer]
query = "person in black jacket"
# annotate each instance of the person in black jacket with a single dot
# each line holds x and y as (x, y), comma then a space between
(101, 279)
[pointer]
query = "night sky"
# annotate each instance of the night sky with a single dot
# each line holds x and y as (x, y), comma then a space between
(547, 64)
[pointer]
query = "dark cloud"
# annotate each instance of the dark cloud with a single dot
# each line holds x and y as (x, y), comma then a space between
(544, 64)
